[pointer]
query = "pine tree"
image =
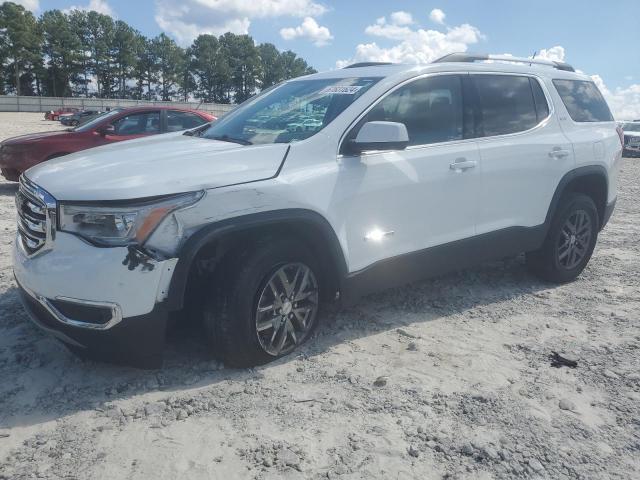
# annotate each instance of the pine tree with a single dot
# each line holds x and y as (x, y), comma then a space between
(20, 43)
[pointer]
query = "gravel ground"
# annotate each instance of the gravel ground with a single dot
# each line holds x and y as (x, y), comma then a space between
(449, 378)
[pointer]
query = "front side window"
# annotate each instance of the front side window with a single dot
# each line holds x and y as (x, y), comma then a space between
(138, 124)
(506, 104)
(583, 100)
(294, 111)
(97, 121)
(431, 109)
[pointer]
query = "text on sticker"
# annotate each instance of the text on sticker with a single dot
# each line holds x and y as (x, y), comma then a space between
(341, 89)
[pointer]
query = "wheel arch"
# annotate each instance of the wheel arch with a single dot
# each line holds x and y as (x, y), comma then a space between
(591, 180)
(219, 238)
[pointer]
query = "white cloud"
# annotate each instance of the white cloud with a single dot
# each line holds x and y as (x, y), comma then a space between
(555, 54)
(309, 29)
(401, 18)
(394, 30)
(624, 102)
(32, 5)
(100, 6)
(414, 45)
(437, 16)
(187, 19)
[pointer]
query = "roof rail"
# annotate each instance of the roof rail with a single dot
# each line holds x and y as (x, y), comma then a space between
(367, 64)
(469, 57)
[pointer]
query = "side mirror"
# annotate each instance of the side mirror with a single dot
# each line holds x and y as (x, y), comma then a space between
(380, 136)
(106, 130)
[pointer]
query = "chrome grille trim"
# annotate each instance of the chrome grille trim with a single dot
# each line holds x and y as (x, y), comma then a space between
(36, 217)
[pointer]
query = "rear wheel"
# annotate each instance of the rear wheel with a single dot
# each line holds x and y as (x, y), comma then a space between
(265, 303)
(570, 241)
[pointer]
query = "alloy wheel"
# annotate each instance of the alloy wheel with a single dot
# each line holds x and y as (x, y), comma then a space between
(575, 236)
(287, 308)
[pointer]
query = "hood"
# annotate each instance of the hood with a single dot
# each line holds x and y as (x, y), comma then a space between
(629, 133)
(158, 165)
(31, 137)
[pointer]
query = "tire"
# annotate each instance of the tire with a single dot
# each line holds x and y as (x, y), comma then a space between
(566, 252)
(248, 281)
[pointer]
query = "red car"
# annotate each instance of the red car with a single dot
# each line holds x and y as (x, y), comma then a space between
(55, 114)
(17, 154)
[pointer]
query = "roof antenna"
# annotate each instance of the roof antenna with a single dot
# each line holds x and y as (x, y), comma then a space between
(533, 57)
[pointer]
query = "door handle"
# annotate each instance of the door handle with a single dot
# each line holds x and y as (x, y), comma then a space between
(558, 153)
(462, 164)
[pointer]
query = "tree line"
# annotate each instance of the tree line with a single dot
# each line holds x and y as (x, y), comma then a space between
(90, 54)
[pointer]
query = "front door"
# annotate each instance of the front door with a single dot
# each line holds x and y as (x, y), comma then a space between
(404, 201)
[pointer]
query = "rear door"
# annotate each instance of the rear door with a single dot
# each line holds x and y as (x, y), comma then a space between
(523, 150)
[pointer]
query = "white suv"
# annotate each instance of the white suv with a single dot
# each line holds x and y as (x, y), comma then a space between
(410, 171)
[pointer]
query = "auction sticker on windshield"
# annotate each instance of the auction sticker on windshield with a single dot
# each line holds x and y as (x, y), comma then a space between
(341, 89)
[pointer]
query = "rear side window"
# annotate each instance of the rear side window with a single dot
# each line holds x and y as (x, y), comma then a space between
(506, 104)
(177, 120)
(583, 100)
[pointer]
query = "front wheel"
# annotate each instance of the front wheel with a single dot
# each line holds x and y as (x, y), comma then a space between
(265, 303)
(570, 240)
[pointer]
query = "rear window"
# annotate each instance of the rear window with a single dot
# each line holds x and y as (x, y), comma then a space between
(583, 100)
(507, 104)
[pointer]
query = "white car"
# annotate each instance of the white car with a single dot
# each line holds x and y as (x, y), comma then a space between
(631, 138)
(417, 170)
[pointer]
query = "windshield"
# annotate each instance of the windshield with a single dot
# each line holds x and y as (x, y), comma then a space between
(631, 127)
(291, 112)
(90, 125)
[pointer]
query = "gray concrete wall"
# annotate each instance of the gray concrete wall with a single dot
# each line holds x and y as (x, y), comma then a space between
(12, 103)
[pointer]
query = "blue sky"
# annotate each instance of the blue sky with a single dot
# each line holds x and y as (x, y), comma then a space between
(596, 36)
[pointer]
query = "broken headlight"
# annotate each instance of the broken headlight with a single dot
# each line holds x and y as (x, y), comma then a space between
(120, 224)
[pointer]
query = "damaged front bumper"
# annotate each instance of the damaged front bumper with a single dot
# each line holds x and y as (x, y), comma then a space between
(96, 300)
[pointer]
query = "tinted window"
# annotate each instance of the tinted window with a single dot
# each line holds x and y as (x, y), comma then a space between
(430, 108)
(138, 124)
(542, 107)
(583, 100)
(177, 120)
(97, 121)
(506, 104)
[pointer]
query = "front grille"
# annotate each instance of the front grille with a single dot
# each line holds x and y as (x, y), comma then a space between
(36, 212)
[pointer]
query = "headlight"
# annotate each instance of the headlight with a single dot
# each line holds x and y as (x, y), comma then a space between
(115, 225)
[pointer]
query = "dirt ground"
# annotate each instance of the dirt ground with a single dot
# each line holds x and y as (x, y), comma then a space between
(449, 378)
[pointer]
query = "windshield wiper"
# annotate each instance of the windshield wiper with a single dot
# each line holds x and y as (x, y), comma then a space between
(227, 138)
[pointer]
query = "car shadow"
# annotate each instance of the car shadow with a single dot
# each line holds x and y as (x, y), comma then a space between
(8, 189)
(43, 380)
